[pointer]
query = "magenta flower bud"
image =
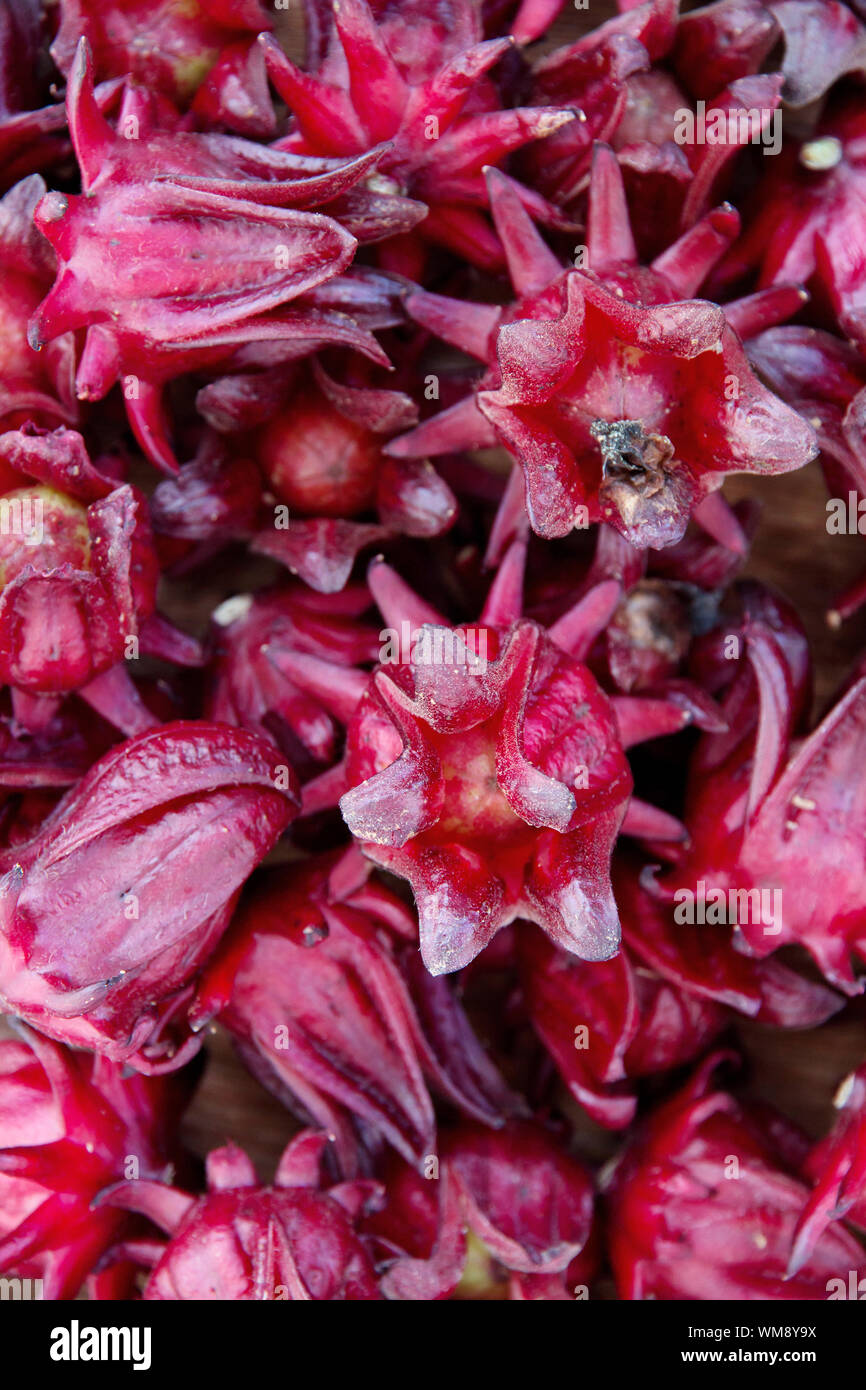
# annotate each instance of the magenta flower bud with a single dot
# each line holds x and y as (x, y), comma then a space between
(431, 97)
(606, 1023)
(252, 637)
(837, 1166)
(330, 1017)
(70, 1125)
(78, 578)
(704, 1206)
(170, 47)
(94, 948)
(642, 450)
(295, 1240)
(196, 240)
(509, 1213)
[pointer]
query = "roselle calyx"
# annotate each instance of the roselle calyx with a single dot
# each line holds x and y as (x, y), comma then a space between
(169, 46)
(416, 76)
(252, 637)
(33, 386)
(466, 773)
(316, 982)
(837, 1167)
(293, 1240)
(323, 455)
(93, 947)
(468, 784)
(607, 1023)
(622, 397)
(70, 1124)
(163, 209)
(762, 803)
(509, 1213)
(807, 225)
(703, 1206)
(78, 580)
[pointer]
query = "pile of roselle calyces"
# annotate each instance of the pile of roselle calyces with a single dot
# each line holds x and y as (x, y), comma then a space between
(388, 685)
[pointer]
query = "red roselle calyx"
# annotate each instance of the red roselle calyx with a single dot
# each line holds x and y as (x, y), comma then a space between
(32, 386)
(622, 397)
(837, 1167)
(78, 578)
(77, 582)
(702, 958)
(809, 220)
(297, 442)
(93, 949)
(295, 1240)
(252, 637)
(168, 46)
(70, 1124)
(416, 76)
(160, 211)
(464, 780)
(657, 1004)
(606, 1023)
(323, 455)
(635, 78)
(760, 805)
(468, 775)
(445, 298)
(508, 1212)
(332, 1015)
(704, 1206)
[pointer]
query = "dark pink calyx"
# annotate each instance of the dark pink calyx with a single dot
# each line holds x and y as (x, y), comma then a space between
(705, 1201)
(467, 772)
(509, 1207)
(420, 79)
(470, 785)
(623, 398)
(327, 1006)
(696, 952)
(92, 949)
(169, 47)
(606, 1023)
(197, 240)
(760, 804)
(294, 1240)
(69, 1125)
(837, 1167)
(322, 451)
(33, 386)
(78, 576)
(807, 225)
(254, 640)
